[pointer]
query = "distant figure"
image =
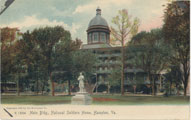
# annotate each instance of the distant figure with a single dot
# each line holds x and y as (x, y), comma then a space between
(81, 83)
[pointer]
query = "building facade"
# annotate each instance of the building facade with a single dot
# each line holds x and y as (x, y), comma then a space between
(98, 41)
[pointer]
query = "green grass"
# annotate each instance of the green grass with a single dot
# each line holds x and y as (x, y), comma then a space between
(98, 100)
(37, 100)
(142, 100)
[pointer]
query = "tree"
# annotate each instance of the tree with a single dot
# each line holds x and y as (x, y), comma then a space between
(150, 54)
(173, 77)
(11, 67)
(8, 37)
(70, 61)
(63, 59)
(43, 54)
(114, 78)
(84, 61)
(31, 54)
(124, 29)
(46, 38)
(177, 35)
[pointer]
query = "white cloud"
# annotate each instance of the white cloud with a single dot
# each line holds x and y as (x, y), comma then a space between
(59, 12)
(74, 28)
(146, 11)
(30, 22)
(150, 13)
(102, 3)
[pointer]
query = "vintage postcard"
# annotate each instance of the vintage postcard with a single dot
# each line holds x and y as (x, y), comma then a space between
(95, 59)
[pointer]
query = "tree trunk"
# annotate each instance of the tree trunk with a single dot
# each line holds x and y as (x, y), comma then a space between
(153, 86)
(42, 88)
(122, 72)
(185, 92)
(108, 88)
(18, 90)
(37, 86)
(4, 87)
(170, 86)
(134, 89)
(94, 87)
(178, 92)
(42, 92)
(185, 89)
(69, 87)
(96, 83)
(160, 81)
(185, 82)
(177, 88)
(151, 82)
(97, 88)
(186, 69)
(52, 82)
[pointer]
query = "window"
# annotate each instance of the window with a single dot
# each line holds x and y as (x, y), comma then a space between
(100, 68)
(95, 37)
(105, 68)
(102, 37)
(90, 35)
(106, 37)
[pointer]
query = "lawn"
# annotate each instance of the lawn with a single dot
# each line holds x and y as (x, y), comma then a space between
(37, 100)
(97, 100)
(140, 100)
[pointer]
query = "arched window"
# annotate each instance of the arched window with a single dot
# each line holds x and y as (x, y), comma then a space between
(89, 37)
(107, 37)
(102, 37)
(95, 37)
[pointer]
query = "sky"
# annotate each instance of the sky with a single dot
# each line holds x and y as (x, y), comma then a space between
(75, 15)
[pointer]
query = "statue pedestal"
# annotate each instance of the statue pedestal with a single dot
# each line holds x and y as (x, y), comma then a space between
(81, 98)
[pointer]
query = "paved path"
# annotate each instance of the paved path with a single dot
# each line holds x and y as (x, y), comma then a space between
(141, 112)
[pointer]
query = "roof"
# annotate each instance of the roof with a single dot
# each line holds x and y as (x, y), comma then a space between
(98, 19)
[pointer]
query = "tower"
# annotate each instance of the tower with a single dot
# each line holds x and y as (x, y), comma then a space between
(98, 30)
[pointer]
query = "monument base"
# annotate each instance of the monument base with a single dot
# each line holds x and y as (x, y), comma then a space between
(82, 98)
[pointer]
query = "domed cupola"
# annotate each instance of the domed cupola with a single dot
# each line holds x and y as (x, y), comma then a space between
(98, 29)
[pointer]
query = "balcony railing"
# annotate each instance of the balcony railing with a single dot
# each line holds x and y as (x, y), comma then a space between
(108, 62)
(109, 55)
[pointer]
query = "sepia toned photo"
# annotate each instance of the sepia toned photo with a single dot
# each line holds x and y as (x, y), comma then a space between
(95, 59)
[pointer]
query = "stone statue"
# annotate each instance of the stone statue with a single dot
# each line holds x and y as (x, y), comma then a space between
(81, 83)
(81, 97)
